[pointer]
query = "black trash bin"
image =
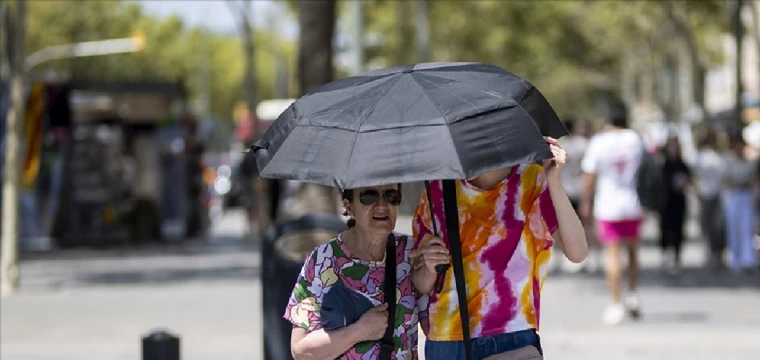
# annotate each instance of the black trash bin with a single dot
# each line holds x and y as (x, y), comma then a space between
(280, 269)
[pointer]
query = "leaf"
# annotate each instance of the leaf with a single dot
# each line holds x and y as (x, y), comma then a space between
(364, 346)
(337, 251)
(356, 271)
(401, 312)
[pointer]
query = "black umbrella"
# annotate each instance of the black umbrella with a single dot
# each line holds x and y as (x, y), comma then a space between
(412, 123)
(409, 123)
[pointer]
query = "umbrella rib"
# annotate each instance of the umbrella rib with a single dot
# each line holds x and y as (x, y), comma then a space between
(492, 94)
(333, 86)
(359, 128)
(438, 87)
(446, 124)
(354, 103)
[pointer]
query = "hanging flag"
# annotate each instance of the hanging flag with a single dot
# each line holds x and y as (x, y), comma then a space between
(35, 108)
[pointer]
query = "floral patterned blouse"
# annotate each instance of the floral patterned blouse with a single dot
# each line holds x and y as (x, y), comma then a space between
(332, 262)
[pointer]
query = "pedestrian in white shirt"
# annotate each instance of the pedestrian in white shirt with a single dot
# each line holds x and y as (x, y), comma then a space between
(610, 164)
(709, 169)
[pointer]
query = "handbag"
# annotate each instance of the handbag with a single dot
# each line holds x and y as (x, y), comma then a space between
(529, 352)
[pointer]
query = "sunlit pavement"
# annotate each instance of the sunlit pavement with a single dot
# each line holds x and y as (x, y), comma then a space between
(96, 305)
(700, 314)
(82, 304)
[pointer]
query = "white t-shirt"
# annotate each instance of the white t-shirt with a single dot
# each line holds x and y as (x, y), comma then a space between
(614, 156)
(710, 170)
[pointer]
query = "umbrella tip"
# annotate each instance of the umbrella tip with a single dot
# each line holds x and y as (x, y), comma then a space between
(254, 148)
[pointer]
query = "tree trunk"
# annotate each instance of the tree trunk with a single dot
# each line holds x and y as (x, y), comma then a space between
(11, 178)
(738, 36)
(315, 68)
(250, 69)
(317, 25)
(422, 34)
(413, 191)
(405, 33)
(756, 28)
(678, 14)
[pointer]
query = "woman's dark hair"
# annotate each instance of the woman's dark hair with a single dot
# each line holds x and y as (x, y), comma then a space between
(616, 112)
(673, 139)
(348, 194)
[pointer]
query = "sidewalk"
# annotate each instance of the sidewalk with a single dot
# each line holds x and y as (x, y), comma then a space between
(699, 315)
(90, 306)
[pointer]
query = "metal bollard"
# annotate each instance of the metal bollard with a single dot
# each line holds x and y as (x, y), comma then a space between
(160, 345)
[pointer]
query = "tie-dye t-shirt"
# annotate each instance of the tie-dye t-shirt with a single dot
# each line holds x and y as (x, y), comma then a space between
(506, 244)
(332, 262)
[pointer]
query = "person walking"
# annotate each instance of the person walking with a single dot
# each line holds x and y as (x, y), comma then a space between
(676, 176)
(739, 205)
(610, 198)
(709, 170)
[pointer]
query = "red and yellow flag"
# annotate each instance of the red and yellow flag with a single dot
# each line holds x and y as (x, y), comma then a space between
(35, 108)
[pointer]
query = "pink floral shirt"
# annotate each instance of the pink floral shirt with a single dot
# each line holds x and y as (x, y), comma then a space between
(332, 262)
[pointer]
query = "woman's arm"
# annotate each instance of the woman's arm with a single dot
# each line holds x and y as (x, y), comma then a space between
(321, 344)
(422, 279)
(431, 252)
(570, 236)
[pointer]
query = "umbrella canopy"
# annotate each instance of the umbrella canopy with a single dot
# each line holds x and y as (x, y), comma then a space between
(409, 123)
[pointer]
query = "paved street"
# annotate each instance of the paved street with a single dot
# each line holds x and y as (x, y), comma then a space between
(83, 304)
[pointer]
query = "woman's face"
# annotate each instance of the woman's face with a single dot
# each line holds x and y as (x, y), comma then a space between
(375, 208)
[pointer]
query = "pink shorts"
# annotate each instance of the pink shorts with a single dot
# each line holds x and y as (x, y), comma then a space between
(611, 232)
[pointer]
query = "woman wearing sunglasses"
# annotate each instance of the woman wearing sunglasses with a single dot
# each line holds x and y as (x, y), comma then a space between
(354, 262)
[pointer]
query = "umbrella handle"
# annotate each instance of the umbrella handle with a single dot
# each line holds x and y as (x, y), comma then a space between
(442, 268)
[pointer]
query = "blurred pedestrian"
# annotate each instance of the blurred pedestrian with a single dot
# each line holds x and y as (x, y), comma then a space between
(610, 166)
(709, 170)
(676, 176)
(739, 204)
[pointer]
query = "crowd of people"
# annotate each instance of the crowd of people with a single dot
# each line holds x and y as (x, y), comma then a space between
(603, 176)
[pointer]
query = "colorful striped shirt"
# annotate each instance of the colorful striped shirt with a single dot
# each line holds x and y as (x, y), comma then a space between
(506, 244)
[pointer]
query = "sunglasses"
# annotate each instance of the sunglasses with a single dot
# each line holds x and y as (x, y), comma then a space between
(370, 197)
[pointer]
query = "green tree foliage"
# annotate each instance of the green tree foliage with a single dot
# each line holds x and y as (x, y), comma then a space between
(173, 50)
(569, 49)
